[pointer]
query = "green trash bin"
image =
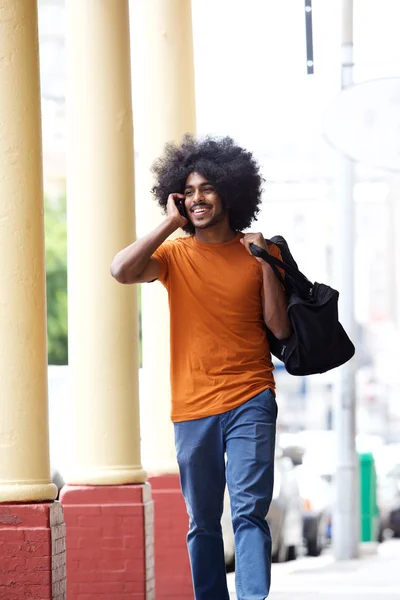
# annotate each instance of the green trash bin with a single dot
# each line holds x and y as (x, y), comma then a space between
(369, 511)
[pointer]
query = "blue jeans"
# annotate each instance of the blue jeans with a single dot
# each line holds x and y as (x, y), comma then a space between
(247, 435)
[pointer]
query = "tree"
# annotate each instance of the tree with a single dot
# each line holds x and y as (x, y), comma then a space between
(56, 280)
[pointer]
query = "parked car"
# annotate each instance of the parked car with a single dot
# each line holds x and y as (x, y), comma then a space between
(389, 500)
(394, 515)
(284, 516)
(317, 500)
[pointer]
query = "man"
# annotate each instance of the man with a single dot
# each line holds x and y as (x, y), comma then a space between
(223, 390)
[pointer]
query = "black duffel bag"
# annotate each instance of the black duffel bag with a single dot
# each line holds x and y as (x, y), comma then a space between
(318, 341)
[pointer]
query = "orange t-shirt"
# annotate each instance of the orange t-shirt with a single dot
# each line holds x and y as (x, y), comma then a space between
(219, 349)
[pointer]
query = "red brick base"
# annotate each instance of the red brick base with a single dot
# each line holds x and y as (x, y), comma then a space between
(32, 552)
(109, 542)
(173, 576)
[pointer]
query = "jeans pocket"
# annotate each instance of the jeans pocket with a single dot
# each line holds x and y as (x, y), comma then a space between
(266, 402)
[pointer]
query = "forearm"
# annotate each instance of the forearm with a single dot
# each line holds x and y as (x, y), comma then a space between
(132, 260)
(275, 304)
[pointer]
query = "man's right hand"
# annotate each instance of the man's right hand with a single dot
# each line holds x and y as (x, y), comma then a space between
(172, 209)
(135, 264)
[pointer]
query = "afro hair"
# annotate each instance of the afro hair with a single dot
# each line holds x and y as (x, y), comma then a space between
(233, 171)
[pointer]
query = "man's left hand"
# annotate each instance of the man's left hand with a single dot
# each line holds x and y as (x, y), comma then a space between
(254, 238)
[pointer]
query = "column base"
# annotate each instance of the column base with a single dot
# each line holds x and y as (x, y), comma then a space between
(28, 492)
(115, 476)
(32, 552)
(170, 530)
(110, 534)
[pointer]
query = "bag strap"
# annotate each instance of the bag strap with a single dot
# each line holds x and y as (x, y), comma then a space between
(275, 262)
(278, 274)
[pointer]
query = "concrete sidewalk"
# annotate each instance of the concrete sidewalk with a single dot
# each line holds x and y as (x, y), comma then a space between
(375, 576)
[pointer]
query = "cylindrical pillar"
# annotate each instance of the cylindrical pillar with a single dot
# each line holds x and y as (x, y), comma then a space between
(169, 114)
(103, 320)
(168, 101)
(24, 448)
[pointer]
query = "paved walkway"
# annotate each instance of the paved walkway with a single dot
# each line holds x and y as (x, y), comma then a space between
(372, 577)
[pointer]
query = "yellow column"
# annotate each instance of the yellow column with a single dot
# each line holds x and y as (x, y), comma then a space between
(103, 321)
(24, 449)
(170, 104)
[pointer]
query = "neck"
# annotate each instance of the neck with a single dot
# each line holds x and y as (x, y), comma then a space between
(218, 234)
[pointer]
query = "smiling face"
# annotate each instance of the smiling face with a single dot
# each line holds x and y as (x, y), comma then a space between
(203, 205)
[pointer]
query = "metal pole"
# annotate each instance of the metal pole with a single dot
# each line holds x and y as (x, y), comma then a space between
(346, 509)
(309, 37)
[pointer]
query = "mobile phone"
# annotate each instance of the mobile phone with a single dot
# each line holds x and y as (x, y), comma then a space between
(181, 207)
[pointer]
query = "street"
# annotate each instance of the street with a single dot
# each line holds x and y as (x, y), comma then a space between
(374, 575)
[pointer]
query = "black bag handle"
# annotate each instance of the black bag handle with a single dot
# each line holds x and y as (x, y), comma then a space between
(273, 267)
(275, 262)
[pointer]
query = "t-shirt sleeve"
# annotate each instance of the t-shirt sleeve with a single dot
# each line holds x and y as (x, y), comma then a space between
(162, 255)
